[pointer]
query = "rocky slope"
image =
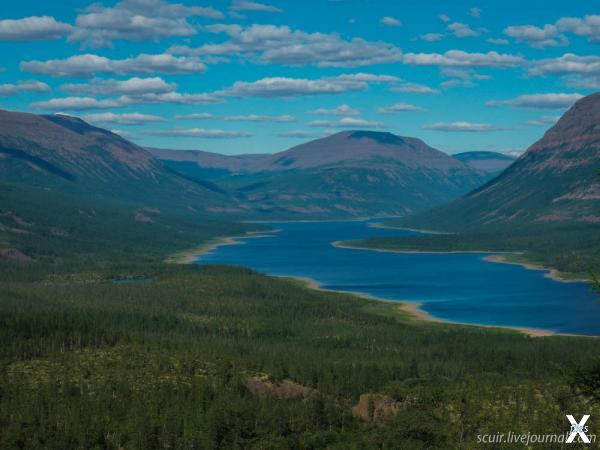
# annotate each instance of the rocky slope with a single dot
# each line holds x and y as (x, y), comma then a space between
(69, 155)
(554, 181)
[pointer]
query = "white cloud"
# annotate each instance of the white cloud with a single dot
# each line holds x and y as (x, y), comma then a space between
(459, 58)
(475, 12)
(126, 119)
(292, 87)
(200, 133)
(536, 37)
(33, 29)
(539, 101)
(75, 104)
(431, 37)
(245, 5)
(415, 88)
(567, 64)
(460, 127)
(588, 26)
(390, 21)
(543, 121)
(86, 65)
(444, 18)
(301, 134)
(241, 118)
(131, 86)
(137, 20)
(170, 97)
(399, 107)
(347, 122)
(497, 41)
(271, 44)
(583, 82)
(342, 110)
(260, 118)
(462, 30)
(23, 86)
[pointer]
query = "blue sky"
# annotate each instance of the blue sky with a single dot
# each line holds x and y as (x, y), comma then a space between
(247, 76)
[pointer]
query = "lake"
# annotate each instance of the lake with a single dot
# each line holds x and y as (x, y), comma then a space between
(457, 287)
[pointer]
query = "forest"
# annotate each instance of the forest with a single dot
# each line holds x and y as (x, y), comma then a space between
(105, 345)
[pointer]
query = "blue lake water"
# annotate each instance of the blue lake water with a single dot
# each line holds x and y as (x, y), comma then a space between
(459, 287)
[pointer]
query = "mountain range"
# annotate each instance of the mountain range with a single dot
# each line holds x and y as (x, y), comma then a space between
(351, 173)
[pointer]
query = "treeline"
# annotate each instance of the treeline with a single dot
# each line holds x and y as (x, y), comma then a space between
(163, 361)
(568, 248)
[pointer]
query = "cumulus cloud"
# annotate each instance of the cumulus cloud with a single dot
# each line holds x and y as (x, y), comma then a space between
(415, 88)
(543, 121)
(137, 20)
(399, 107)
(239, 118)
(459, 58)
(33, 28)
(293, 87)
(301, 134)
(75, 104)
(462, 30)
(444, 18)
(348, 122)
(200, 133)
(451, 127)
(83, 66)
(588, 26)
(244, 5)
(342, 110)
(583, 82)
(23, 86)
(567, 64)
(390, 21)
(125, 119)
(464, 77)
(431, 37)
(497, 41)
(475, 12)
(260, 118)
(131, 86)
(271, 44)
(539, 101)
(552, 35)
(536, 37)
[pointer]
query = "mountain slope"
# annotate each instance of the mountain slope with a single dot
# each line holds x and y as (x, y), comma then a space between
(351, 173)
(491, 163)
(554, 181)
(67, 154)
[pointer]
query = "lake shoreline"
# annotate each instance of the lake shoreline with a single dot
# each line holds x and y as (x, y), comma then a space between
(190, 256)
(492, 257)
(413, 309)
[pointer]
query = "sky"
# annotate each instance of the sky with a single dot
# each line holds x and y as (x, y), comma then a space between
(247, 76)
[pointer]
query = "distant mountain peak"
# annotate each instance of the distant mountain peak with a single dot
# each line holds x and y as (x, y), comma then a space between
(381, 137)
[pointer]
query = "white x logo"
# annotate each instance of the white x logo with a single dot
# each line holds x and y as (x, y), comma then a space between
(577, 429)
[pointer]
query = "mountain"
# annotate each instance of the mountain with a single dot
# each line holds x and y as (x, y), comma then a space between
(351, 173)
(491, 163)
(66, 154)
(554, 181)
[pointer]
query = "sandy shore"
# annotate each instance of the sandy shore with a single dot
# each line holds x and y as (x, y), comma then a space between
(190, 256)
(340, 244)
(552, 274)
(497, 257)
(413, 309)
